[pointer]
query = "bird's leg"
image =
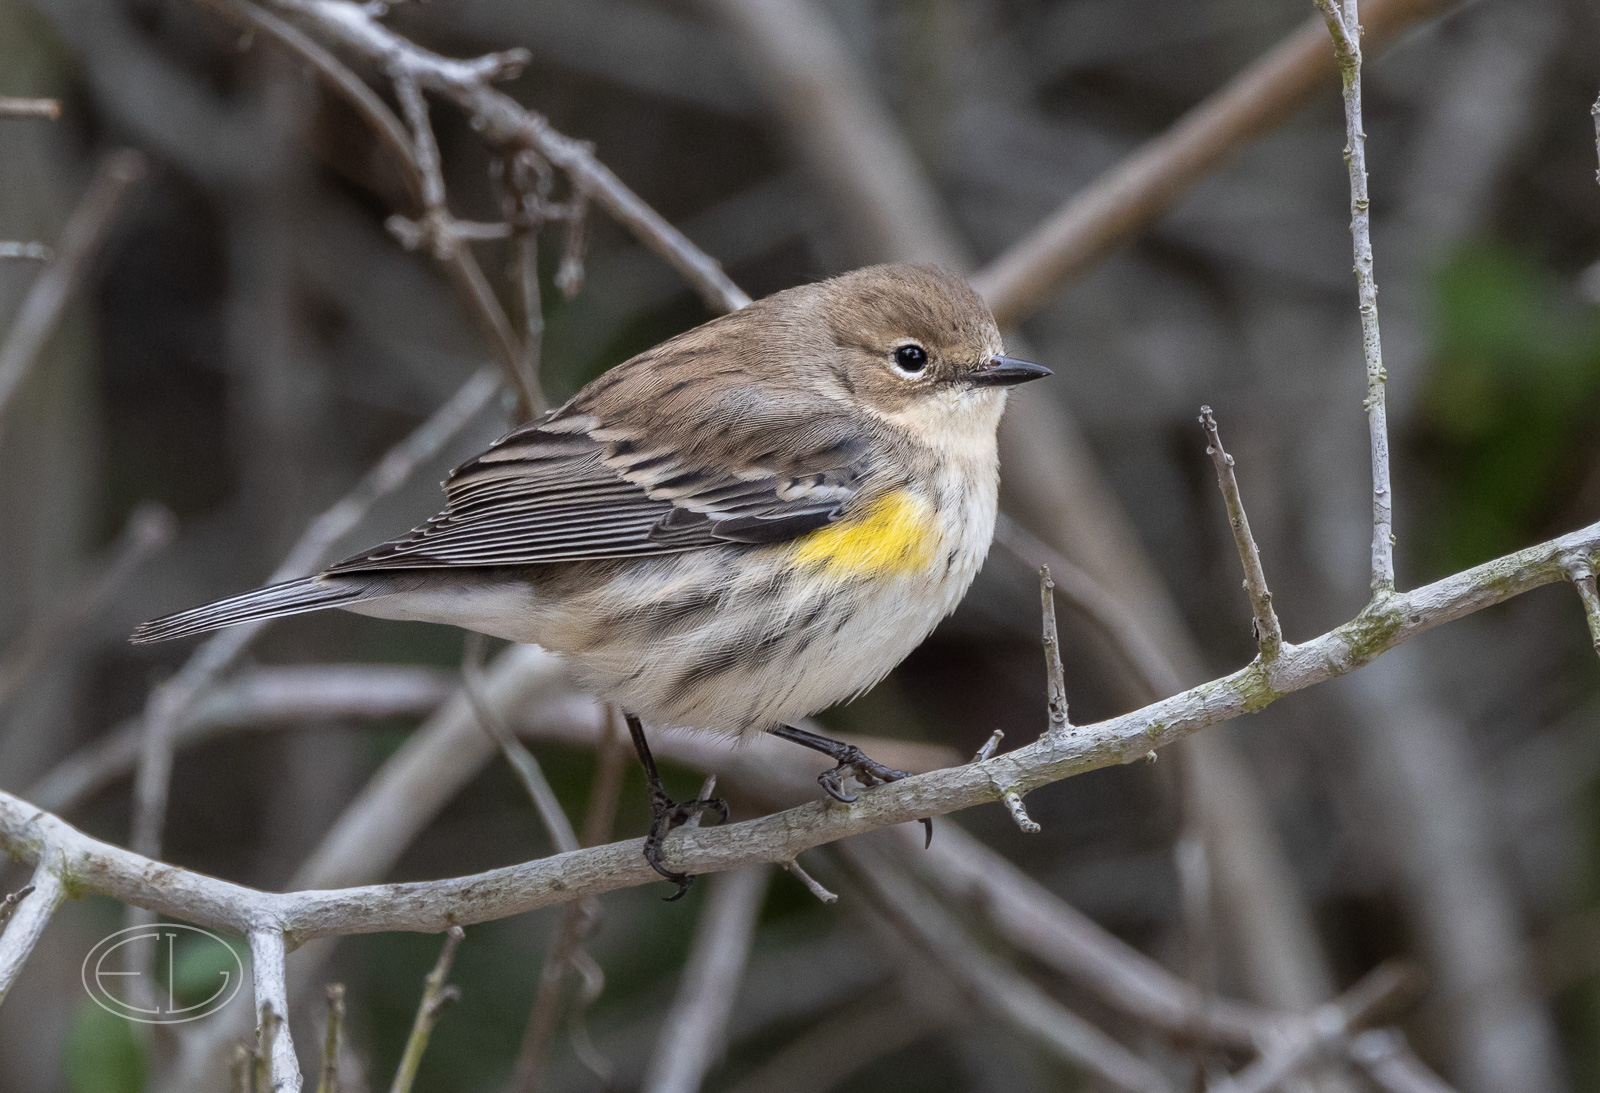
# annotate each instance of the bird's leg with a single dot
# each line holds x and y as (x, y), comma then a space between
(665, 812)
(850, 760)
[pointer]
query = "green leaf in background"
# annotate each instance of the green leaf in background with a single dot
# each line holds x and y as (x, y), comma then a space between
(1511, 396)
(200, 966)
(104, 1053)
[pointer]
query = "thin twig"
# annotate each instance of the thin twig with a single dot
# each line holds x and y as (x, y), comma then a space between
(1111, 615)
(692, 1037)
(28, 912)
(81, 240)
(436, 995)
(1389, 1061)
(433, 905)
(10, 107)
(274, 1048)
(149, 529)
(507, 126)
(1581, 574)
(1055, 675)
(329, 1082)
(1344, 24)
(1135, 193)
(447, 233)
(1268, 633)
(814, 886)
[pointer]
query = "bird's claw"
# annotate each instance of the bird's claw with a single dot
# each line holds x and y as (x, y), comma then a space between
(667, 815)
(869, 772)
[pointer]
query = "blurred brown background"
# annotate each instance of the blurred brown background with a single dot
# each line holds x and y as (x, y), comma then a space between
(251, 340)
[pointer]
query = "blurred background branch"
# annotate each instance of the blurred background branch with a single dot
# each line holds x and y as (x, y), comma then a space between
(256, 341)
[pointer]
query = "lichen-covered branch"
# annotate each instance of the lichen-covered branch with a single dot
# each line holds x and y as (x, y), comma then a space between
(274, 1047)
(95, 866)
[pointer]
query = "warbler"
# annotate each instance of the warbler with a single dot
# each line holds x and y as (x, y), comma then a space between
(746, 524)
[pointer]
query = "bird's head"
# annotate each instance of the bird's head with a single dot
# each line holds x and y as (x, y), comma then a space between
(917, 347)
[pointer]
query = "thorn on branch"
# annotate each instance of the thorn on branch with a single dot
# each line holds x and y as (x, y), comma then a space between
(1581, 574)
(505, 65)
(812, 884)
(990, 746)
(1013, 802)
(8, 906)
(1264, 622)
(1055, 675)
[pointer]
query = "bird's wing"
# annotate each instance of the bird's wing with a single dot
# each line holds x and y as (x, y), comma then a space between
(571, 487)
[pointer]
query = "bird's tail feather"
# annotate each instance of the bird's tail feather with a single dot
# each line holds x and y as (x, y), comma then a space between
(273, 601)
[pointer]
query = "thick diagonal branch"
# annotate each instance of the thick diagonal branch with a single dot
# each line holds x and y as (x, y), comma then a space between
(435, 905)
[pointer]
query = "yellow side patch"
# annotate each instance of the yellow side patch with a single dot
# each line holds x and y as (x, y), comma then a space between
(895, 535)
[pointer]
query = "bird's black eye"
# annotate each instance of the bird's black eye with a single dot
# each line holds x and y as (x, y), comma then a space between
(911, 358)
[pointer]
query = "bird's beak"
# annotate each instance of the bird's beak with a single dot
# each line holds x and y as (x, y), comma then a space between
(1008, 372)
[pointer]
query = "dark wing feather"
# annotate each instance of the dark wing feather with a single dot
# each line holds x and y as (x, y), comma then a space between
(552, 492)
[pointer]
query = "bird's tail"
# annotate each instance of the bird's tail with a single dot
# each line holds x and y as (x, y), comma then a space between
(271, 602)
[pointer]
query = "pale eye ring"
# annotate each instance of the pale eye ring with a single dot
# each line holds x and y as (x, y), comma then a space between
(911, 359)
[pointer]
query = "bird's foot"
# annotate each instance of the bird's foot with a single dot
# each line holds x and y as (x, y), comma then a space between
(668, 814)
(869, 772)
